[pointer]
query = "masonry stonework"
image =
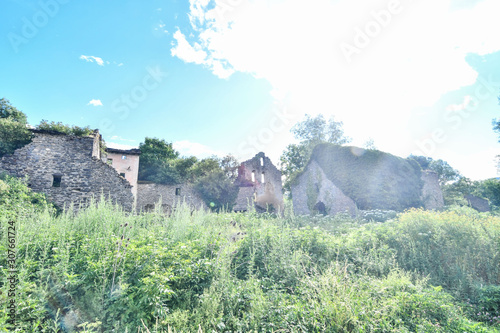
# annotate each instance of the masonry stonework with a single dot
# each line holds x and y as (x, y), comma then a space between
(68, 169)
(259, 183)
(149, 194)
(313, 193)
(432, 196)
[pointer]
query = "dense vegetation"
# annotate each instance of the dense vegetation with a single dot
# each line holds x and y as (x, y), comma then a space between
(310, 132)
(13, 131)
(104, 270)
(373, 179)
(212, 177)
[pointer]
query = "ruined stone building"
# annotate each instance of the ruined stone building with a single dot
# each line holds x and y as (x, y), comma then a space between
(68, 169)
(149, 194)
(340, 179)
(126, 163)
(259, 183)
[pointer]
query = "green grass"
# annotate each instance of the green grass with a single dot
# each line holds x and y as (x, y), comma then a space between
(202, 272)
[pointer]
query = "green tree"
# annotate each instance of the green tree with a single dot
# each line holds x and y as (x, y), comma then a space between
(454, 193)
(217, 190)
(423, 161)
(14, 133)
(370, 144)
(9, 111)
(310, 132)
(214, 180)
(204, 167)
(489, 189)
(184, 166)
(445, 172)
(157, 162)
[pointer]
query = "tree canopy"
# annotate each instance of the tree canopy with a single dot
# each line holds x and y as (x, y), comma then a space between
(311, 131)
(13, 128)
(445, 172)
(212, 177)
(64, 128)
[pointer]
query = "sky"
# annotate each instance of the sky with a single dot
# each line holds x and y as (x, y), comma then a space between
(224, 77)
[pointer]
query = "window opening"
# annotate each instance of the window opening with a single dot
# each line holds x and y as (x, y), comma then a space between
(253, 176)
(178, 191)
(262, 161)
(262, 180)
(56, 182)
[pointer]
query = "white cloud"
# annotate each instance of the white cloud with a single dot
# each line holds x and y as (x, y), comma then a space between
(195, 54)
(459, 107)
(97, 60)
(120, 146)
(160, 28)
(119, 138)
(95, 102)
(413, 60)
(188, 148)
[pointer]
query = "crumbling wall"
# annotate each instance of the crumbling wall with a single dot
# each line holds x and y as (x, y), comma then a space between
(432, 196)
(479, 204)
(313, 193)
(73, 159)
(259, 182)
(149, 194)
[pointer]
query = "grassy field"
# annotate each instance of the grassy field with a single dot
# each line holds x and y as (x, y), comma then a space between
(104, 270)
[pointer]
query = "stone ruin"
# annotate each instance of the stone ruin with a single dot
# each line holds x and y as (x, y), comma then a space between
(68, 169)
(259, 183)
(168, 196)
(314, 193)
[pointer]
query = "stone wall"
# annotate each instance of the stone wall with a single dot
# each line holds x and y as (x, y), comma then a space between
(68, 169)
(260, 182)
(432, 196)
(149, 194)
(479, 204)
(313, 193)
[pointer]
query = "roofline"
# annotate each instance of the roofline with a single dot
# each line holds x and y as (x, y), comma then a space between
(133, 151)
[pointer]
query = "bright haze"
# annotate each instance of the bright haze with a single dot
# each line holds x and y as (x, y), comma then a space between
(233, 76)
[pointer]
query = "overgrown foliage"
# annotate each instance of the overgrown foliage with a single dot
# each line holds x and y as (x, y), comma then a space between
(218, 191)
(489, 189)
(45, 125)
(213, 177)
(203, 272)
(14, 133)
(444, 171)
(373, 179)
(311, 131)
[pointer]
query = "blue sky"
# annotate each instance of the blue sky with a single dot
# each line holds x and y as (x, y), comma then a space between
(233, 76)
